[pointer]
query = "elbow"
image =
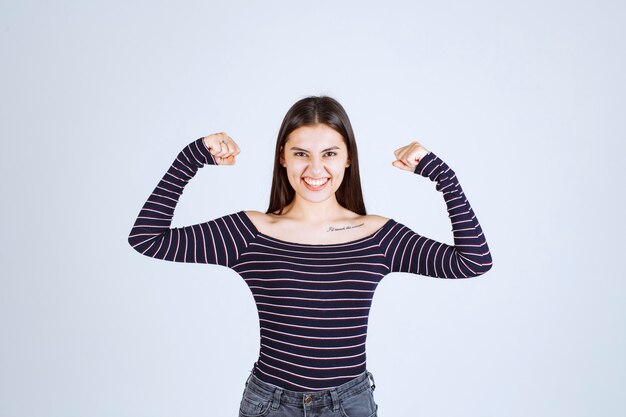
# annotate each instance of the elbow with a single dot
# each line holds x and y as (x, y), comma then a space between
(135, 242)
(477, 266)
(483, 269)
(132, 241)
(147, 246)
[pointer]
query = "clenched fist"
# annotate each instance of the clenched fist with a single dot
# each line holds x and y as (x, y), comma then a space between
(407, 157)
(222, 147)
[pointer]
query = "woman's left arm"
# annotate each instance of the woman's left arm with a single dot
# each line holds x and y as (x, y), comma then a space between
(407, 251)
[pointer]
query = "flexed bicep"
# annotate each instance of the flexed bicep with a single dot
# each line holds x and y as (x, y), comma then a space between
(219, 241)
(410, 252)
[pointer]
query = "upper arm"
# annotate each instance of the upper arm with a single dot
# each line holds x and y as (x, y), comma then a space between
(218, 241)
(408, 251)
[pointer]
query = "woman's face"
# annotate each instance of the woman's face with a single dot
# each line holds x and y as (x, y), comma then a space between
(315, 158)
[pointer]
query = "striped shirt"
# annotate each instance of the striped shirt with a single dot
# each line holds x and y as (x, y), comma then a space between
(313, 300)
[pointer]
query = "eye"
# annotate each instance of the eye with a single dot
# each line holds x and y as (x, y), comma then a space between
(299, 153)
(333, 153)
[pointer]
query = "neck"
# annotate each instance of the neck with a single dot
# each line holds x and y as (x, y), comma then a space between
(310, 212)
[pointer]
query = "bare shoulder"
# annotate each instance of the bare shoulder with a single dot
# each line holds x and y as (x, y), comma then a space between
(375, 218)
(374, 221)
(270, 224)
(257, 217)
(254, 213)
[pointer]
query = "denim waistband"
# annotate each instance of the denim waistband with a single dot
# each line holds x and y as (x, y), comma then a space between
(325, 397)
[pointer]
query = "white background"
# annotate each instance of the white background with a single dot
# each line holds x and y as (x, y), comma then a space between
(524, 101)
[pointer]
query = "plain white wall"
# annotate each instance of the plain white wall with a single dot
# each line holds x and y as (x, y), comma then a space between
(524, 100)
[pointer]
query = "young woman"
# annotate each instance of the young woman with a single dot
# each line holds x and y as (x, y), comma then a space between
(314, 259)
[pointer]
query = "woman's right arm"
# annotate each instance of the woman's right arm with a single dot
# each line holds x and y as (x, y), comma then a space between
(218, 241)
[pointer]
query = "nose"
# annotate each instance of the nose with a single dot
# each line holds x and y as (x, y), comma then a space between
(317, 166)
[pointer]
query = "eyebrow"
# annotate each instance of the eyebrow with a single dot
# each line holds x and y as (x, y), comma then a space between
(295, 148)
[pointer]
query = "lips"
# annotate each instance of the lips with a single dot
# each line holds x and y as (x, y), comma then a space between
(315, 184)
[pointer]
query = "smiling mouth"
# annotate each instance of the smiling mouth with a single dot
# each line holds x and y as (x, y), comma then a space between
(315, 181)
(315, 184)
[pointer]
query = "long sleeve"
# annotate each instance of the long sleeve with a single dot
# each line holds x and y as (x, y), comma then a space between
(407, 251)
(219, 241)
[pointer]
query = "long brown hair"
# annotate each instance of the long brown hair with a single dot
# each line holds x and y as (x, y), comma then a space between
(310, 111)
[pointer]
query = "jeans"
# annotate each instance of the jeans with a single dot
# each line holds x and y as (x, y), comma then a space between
(354, 398)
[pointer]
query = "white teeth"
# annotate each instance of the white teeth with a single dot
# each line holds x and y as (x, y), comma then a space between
(315, 183)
